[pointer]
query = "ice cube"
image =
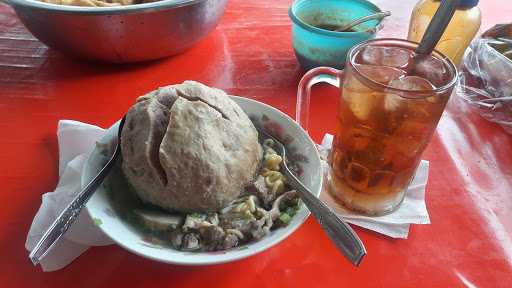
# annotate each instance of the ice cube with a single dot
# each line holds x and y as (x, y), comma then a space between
(381, 74)
(357, 97)
(381, 181)
(362, 99)
(357, 176)
(385, 56)
(358, 137)
(392, 102)
(410, 140)
(432, 69)
(352, 83)
(411, 83)
(434, 99)
(361, 104)
(339, 160)
(413, 130)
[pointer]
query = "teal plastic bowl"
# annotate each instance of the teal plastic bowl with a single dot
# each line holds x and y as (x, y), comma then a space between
(316, 47)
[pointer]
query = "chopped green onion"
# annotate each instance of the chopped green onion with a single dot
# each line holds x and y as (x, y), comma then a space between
(291, 211)
(285, 218)
(196, 215)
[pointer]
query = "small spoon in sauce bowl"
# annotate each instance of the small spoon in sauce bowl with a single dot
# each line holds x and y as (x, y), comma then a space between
(375, 16)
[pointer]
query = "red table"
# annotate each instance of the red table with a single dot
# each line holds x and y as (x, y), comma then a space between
(469, 193)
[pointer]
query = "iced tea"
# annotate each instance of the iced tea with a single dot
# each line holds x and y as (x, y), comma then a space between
(388, 110)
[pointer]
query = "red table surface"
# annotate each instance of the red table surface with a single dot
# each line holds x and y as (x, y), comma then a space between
(469, 193)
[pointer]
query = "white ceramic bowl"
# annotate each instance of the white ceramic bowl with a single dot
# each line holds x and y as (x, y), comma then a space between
(123, 233)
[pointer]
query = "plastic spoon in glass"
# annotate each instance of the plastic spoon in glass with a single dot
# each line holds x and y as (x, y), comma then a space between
(375, 16)
(434, 32)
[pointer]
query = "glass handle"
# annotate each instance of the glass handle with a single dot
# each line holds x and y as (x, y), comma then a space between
(317, 75)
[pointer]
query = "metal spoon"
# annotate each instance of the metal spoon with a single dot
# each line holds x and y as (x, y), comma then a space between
(375, 16)
(69, 215)
(345, 239)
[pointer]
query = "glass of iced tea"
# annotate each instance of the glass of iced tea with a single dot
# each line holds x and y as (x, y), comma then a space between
(390, 104)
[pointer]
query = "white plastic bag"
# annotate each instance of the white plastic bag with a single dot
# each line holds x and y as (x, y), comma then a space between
(486, 78)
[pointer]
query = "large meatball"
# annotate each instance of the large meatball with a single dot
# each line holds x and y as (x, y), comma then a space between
(189, 147)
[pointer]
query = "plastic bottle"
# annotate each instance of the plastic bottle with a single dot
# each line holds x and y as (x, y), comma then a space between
(459, 33)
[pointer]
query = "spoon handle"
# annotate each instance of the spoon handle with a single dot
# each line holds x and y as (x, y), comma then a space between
(437, 26)
(345, 239)
(358, 21)
(71, 212)
(69, 215)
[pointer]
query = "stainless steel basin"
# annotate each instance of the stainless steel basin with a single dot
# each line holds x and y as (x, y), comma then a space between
(121, 34)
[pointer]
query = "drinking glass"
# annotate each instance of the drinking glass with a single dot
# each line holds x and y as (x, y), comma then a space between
(390, 104)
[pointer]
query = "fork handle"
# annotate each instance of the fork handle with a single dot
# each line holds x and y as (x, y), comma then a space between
(345, 239)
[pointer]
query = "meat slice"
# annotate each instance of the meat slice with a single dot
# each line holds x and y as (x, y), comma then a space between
(259, 189)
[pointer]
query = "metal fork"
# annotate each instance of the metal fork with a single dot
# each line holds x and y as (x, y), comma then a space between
(345, 239)
(69, 215)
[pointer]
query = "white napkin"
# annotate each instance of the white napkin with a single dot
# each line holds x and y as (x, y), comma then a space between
(396, 224)
(76, 140)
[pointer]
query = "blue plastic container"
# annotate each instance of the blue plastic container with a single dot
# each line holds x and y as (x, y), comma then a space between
(316, 47)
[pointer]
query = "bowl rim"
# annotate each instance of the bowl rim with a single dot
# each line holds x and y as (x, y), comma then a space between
(87, 10)
(245, 253)
(296, 20)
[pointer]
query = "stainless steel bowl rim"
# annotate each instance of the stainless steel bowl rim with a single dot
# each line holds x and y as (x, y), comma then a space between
(82, 10)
